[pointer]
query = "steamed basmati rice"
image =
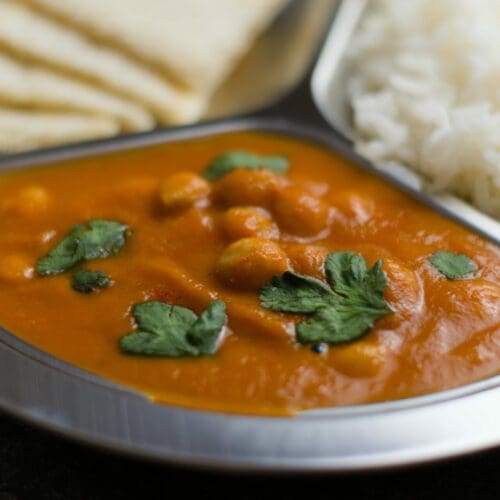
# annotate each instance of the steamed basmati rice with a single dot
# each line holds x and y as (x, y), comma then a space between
(424, 82)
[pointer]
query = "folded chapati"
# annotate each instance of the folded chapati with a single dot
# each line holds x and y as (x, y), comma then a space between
(21, 130)
(37, 88)
(33, 37)
(75, 70)
(194, 43)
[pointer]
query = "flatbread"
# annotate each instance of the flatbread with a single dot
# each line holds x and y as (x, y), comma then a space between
(288, 48)
(22, 130)
(35, 88)
(194, 43)
(35, 38)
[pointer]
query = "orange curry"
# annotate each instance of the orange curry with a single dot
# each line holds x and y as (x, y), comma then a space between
(192, 241)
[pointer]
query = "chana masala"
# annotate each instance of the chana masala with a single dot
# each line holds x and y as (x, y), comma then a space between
(245, 272)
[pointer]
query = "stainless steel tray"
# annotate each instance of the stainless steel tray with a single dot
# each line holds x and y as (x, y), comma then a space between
(48, 392)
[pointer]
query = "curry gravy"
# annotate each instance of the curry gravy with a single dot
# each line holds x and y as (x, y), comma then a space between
(442, 334)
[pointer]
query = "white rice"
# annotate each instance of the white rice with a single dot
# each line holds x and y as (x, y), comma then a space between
(425, 86)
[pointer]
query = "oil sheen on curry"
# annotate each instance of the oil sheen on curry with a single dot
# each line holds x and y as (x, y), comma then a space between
(247, 273)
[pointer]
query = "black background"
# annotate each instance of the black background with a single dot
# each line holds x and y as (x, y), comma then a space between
(35, 464)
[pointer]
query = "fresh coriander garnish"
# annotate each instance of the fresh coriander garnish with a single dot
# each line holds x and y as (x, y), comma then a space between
(227, 162)
(175, 331)
(340, 311)
(85, 281)
(97, 239)
(453, 265)
(296, 293)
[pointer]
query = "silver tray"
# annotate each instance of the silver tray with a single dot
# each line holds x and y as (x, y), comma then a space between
(41, 389)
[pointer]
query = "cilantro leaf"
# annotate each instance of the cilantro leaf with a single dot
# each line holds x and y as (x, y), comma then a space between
(205, 331)
(174, 331)
(348, 276)
(227, 162)
(156, 316)
(336, 325)
(64, 256)
(344, 269)
(162, 330)
(85, 281)
(452, 265)
(99, 239)
(341, 312)
(295, 293)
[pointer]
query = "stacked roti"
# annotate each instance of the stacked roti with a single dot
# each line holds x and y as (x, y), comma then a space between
(73, 70)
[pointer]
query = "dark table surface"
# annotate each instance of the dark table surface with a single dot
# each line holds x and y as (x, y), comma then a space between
(35, 464)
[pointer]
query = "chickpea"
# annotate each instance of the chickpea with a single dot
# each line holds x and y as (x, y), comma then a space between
(308, 259)
(31, 201)
(15, 268)
(300, 212)
(248, 187)
(250, 263)
(244, 222)
(183, 190)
